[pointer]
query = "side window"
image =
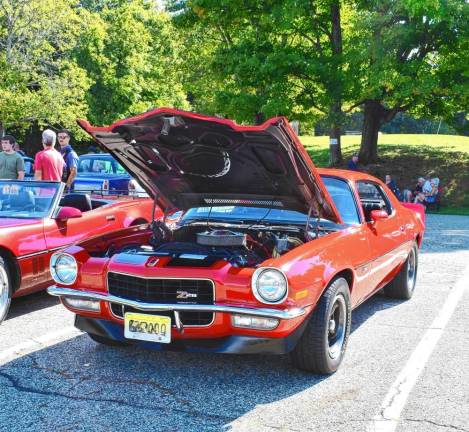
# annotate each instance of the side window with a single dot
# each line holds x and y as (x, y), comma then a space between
(342, 196)
(84, 165)
(102, 166)
(372, 197)
(120, 169)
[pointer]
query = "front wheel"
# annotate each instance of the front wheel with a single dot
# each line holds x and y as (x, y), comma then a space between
(322, 346)
(5, 289)
(403, 285)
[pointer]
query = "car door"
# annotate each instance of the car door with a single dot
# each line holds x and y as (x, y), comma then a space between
(356, 244)
(92, 223)
(29, 246)
(385, 236)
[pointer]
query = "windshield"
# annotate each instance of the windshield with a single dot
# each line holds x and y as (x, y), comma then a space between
(338, 189)
(249, 214)
(100, 165)
(27, 200)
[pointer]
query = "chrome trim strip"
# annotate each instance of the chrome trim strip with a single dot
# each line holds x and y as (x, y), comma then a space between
(45, 251)
(151, 307)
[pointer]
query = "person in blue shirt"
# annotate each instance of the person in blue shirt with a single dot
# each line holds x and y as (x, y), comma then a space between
(353, 163)
(391, 184)
(70, 158)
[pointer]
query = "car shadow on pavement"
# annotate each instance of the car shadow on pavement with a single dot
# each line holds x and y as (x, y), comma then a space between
(375, 304)
(75, 379)
(78, 378)
(31, 303)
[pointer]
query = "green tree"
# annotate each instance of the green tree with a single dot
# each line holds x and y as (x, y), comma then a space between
(39, 82)
(131, 54)
(408, 55)
(271, 57)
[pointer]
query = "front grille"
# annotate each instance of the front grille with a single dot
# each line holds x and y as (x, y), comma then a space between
(180, 291)
(188, 318)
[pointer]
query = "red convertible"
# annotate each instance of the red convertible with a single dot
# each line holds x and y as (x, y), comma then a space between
(270, 256)
(36, 220)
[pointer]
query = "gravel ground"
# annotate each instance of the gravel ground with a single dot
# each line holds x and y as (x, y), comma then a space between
(69, 383)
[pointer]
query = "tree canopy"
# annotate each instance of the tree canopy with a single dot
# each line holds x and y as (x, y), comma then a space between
(408, 55)
(131, 54)
(39, 79)
(248, 60)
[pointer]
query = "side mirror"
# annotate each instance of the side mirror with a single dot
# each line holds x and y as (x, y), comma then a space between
(377, 215)
(66, 213)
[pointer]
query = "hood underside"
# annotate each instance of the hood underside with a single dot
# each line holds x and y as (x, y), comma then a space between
(189, 160)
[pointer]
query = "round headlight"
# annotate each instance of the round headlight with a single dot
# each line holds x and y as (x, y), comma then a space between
(269, 285)
(63, 268)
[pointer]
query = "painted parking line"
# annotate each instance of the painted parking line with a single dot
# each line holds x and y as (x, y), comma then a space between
(390, 411)
(36, 344)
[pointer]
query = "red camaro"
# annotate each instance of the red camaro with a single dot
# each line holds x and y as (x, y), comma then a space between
(270, 256)
(36, 220)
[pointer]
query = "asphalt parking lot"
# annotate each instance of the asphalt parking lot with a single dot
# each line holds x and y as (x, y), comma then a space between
(406, 368)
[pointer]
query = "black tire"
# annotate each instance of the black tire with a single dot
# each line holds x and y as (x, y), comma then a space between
(322, 346)
(403, 285)
(6, 290)
(105, 341)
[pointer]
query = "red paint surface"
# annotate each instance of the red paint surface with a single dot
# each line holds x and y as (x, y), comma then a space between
(20, 238)
(368, 255)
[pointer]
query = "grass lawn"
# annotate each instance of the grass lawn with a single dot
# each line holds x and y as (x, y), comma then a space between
(407, 157)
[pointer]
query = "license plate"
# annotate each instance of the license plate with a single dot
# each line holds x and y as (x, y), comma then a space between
(87, 186)
(151, 328)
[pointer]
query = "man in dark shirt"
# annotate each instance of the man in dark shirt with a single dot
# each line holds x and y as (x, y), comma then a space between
(409, 195)
(70, 157)
(353, 163)
(391, 184)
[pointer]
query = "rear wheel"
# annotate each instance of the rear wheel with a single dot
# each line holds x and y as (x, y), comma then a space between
(106, 341)
(5, 289)
(322, 346)
(403, 285)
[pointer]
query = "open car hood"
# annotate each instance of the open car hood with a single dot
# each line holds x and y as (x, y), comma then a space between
(190, 160)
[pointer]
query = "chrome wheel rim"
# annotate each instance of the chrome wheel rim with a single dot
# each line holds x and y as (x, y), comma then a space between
(4, 293)
(411, 270)
(336, 326)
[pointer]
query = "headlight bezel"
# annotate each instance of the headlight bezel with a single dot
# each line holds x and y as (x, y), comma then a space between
(254, 285)
(54, 259)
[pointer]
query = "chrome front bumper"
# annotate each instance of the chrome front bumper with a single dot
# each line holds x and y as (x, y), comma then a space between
(155, 307)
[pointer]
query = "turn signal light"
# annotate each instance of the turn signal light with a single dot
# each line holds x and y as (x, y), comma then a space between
(82, 304)
(254, 322)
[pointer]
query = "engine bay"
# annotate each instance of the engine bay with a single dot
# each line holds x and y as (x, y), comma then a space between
(199, 245)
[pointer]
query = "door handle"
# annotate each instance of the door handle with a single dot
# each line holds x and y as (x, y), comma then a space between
(110, 218)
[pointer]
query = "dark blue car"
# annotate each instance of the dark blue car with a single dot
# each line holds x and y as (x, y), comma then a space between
(101, 173)
(28, 168)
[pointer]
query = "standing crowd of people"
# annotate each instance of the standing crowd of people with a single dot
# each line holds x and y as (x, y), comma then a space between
(49, 164)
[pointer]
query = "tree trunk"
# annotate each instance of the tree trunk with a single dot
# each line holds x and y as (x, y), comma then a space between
(336, 114)
(335, 152)
(371, 124)
(259, 118)
(375, 114)
(32, 142)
